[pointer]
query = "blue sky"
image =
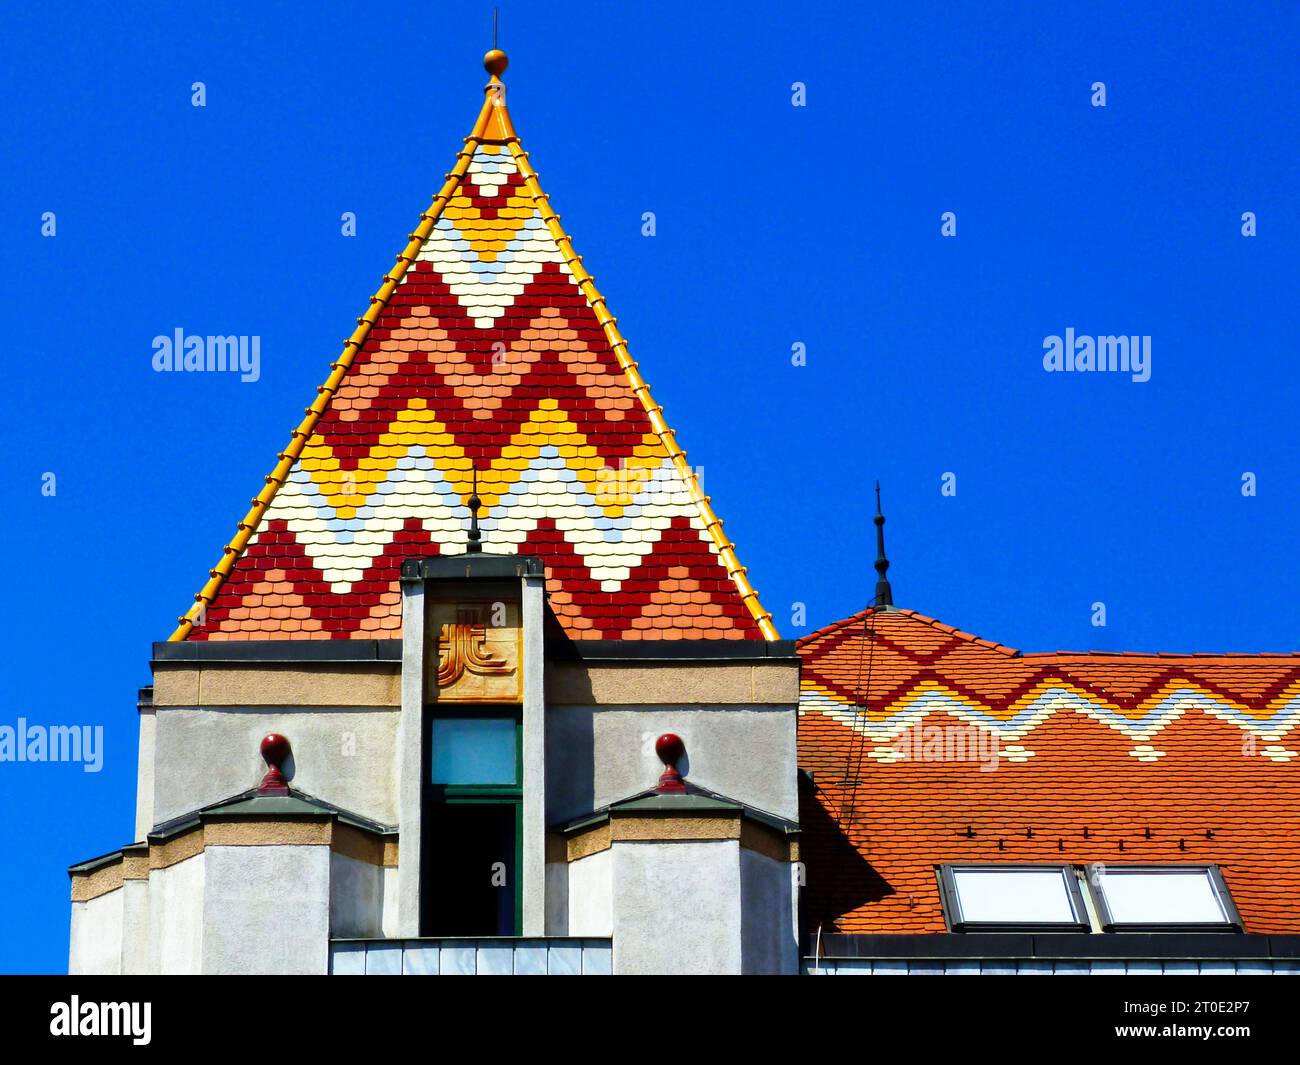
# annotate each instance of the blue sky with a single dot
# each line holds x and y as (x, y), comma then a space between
(777, 225)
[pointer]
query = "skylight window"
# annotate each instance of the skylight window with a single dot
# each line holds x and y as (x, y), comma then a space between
(1169, 898)
(1013, 898)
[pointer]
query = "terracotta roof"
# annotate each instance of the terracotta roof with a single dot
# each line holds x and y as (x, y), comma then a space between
(927, 745)
(488, 349)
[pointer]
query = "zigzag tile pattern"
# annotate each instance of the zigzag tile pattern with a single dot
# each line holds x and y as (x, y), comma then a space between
(487, 361)
(938, 746)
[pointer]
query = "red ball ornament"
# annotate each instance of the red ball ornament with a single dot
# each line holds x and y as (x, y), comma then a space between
(275, 752)
(670, 749)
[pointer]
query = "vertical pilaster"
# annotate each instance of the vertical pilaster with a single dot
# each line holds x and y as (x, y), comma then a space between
(534, 720)
(410, 758)
(144, 768)
(137, 954)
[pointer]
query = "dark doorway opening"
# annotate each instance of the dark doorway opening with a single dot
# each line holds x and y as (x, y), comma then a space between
(471, 869)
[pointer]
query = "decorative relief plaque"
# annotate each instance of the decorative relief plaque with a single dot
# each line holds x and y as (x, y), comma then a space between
(474, 652)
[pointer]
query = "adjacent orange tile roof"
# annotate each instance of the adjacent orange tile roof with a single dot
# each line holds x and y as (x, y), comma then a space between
(487, 351)
(928, 745)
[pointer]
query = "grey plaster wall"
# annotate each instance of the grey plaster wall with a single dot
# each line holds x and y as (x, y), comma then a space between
(356, 898)
(392, 920)
(266, 909)
(345, 756)
(95, 939)
(136, 954)
(409, 760)
(145, 757)
(176, 896)
(598, 755)
(590, 901)
(533, 844)
(677, 907)
(232, 909)
(769, 942)
(557, 898)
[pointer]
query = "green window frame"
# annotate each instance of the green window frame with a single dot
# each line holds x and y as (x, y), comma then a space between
(450, 795)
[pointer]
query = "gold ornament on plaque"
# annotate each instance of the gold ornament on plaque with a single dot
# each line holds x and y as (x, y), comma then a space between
(477, 662)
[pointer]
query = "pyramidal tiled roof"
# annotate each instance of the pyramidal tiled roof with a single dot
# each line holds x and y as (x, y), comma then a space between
(487, 352)
(928, 745)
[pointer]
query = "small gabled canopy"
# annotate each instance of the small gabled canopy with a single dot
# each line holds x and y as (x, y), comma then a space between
(247, 805)
(253, 803)
(696, 802)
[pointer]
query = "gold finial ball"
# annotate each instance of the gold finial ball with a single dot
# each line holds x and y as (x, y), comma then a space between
(495, 62)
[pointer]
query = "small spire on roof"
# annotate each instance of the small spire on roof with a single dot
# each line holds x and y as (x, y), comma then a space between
(495, 62)
(884, 594)
(497, 127)
(474, 546)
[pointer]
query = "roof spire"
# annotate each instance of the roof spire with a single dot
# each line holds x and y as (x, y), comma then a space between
(495, 62)
(884, 594)
(474, 546)
(494, 123)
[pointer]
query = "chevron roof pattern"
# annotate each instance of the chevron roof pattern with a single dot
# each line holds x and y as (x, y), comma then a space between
(487, 353)
(928, 745)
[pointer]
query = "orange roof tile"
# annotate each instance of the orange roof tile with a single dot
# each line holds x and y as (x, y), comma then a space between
(928, 745)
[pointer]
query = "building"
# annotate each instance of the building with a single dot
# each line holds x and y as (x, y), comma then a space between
(480, 622)
(481, 686)
(969, 808)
